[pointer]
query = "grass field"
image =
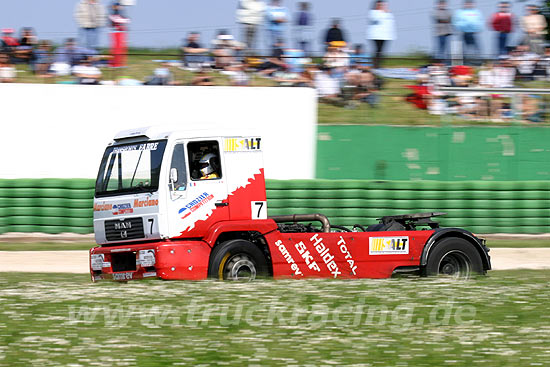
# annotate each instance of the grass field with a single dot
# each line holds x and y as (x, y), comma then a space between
(56, 319)
(60, 246)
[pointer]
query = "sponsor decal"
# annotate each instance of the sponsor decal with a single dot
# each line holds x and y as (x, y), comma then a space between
(146, 258)
(122, 276)
(242, 144)
(325, 254)
(147, 202)
(125, 208)
(282, 248)
(306, 255)
(196, 204)
(102, 207)
(96, 261)
(388, 245)
(150, 274)
(137, 147)
(344, 249)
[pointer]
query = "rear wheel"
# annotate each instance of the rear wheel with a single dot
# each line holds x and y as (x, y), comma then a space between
(455, 258)
(237, 260)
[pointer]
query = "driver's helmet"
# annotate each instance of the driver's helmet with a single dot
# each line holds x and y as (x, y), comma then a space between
(208, 164)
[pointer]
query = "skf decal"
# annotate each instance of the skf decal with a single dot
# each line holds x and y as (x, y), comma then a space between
(146, 202)
(288, 257)
(196, 204)
(125, 208)
(301, 247)
(325, 254)
(388, 245)
(242, 144)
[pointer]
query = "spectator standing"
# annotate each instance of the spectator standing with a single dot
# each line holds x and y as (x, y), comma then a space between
(534, 26)
(381, 28)
(503, 23)
(304, 25)
(90, 15)
(119, 43)
(277, 16)
(443, 30)
(334, 33)
(469, 21)
(250, 14)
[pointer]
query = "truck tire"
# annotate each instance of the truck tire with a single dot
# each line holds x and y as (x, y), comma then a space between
(237, 260)
(454, 257)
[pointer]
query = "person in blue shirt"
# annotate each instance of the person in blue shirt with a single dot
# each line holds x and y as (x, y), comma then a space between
(304, 26)
(276, 18)
(469, 21)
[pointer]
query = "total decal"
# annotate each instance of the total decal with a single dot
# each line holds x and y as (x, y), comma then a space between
(195, 204)
(325, 256)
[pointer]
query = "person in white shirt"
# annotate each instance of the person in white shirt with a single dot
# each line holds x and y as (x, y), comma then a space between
(380, 29)
(250, 15)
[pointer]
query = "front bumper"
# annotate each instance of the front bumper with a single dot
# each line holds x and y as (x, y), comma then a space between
(185, 260)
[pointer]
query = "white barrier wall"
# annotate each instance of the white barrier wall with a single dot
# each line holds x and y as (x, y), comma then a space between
(60, 131)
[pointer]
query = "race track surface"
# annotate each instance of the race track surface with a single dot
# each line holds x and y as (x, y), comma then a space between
(77, 261)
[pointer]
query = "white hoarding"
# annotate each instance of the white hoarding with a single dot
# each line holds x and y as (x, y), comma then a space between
(61, 130)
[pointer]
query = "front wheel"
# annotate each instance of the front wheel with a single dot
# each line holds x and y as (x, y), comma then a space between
(237, 260)
(455, 258)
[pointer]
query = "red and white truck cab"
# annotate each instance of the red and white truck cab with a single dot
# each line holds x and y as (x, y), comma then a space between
(192, 205)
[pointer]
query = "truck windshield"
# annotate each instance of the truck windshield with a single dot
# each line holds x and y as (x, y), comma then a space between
(130, 168)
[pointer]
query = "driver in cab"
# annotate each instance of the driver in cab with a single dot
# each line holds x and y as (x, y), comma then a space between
(209, 167)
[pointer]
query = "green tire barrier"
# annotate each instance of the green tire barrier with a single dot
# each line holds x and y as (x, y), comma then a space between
(65, 205)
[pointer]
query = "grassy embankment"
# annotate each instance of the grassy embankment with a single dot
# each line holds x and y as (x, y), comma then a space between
(141, 65)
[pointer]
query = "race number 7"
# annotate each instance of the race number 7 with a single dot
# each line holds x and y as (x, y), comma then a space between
(259, 209)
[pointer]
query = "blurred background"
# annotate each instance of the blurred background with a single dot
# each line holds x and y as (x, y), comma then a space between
(454, 92)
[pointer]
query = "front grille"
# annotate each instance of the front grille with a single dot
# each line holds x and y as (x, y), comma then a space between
(127, 229)
(123, 261)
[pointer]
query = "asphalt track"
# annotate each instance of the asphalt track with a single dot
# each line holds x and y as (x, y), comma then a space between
(77, 261)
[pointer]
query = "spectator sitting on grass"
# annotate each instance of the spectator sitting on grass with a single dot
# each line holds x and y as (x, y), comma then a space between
(68, 56)
(337, 59)
(193, 54)
(161, 76)
(202, 79)
(225, 49)
(328, 87)
(24, 52)
(359, 58)
(86, 73)
(43, 58)
(274, 63)
(9, 42)
(504, 73)
(525, 62)
(7, 70)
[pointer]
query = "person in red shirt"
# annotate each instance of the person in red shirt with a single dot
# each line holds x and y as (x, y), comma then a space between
(119, 43)
(502, 22)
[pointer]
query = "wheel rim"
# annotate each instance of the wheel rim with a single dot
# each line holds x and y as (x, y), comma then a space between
(455, 264)
(240, 267)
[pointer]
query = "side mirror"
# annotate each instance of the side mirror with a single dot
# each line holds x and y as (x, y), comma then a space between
(173, 175)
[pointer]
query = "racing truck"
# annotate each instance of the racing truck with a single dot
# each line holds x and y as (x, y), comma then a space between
(176, 204)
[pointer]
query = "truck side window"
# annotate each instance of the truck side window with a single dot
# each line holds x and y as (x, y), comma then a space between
(178, 163)
(204, 160)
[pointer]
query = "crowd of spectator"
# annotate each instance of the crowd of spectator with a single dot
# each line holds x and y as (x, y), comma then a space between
(345, 75)
(508, 71)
